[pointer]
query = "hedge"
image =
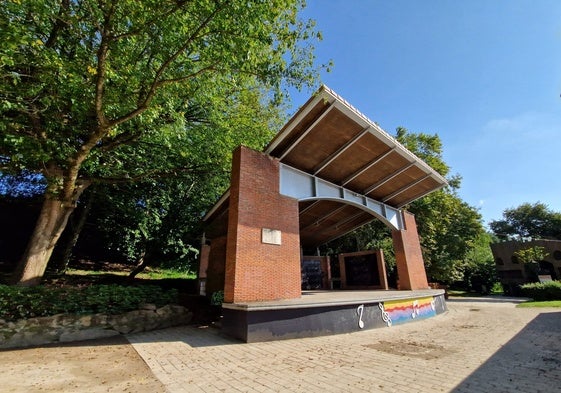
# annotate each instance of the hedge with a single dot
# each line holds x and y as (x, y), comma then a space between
(28, 302)
(539, 291)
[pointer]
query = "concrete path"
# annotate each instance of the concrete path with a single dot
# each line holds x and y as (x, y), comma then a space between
(480, 345)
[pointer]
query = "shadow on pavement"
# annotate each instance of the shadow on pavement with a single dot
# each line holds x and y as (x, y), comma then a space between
(529, 362)
(190, 335)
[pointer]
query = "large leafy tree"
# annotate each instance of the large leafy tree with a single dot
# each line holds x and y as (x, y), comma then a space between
(98, 91)
(528, 221)
(448, 227)
(158, 221)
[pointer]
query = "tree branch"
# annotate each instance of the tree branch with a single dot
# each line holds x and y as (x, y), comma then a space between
(156, 82)
(160, 174)
(121, 139)
(59, 23)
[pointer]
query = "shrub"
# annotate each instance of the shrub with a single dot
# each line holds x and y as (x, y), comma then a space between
(539, 291)
(217, 298)
(21, 302)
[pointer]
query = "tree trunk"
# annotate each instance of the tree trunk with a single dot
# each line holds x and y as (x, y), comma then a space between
(50, 224)
(141, 264)
(62, 254)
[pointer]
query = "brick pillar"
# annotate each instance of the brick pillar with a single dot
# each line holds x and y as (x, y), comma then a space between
(263, 241)
(409, 259)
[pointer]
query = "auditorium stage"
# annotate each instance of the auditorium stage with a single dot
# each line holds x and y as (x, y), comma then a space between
(318, 313)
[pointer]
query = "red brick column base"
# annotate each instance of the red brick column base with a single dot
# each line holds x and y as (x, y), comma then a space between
(263, 245)
(409, 259)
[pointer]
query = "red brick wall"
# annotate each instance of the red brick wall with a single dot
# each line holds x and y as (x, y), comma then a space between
(216, 265)
(409, 259)
(256, 271)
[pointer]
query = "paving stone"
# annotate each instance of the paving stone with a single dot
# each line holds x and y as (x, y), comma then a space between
(479, 345)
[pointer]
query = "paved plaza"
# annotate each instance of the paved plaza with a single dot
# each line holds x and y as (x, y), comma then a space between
(479, 345)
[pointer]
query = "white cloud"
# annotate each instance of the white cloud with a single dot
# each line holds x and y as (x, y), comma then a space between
(510, 160)
(529, 126)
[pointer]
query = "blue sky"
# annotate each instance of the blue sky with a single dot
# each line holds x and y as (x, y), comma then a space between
(483, 75)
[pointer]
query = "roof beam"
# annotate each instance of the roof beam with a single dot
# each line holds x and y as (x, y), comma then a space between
(307, 131)
(342, 222)
(419, 196)
(388, 178)
(405, 188)
(323, 218)
(309, 207)
(367, 166)
(341, 150)
(349, 231)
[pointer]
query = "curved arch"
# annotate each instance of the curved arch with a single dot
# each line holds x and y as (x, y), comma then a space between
(393, 221)
(303, 186)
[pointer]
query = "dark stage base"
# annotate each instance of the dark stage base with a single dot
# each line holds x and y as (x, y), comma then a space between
(319, 313)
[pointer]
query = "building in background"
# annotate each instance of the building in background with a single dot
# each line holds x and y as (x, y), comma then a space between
(513, 272)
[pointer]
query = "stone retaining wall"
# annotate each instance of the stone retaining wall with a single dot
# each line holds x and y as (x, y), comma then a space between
(69, 327)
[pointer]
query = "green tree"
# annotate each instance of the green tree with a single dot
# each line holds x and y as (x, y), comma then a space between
(528, 221)
(157, 221)
(480, 272)
(372, 236)
(531, 258)
(97, 92)
(448, 226)
(531, 254)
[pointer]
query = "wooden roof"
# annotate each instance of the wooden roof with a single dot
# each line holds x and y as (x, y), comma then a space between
(330, 139)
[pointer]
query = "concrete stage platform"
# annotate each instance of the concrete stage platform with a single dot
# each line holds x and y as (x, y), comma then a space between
(318, 313)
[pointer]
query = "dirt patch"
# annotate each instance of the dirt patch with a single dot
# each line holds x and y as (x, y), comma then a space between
(414, 349)
(106, 365)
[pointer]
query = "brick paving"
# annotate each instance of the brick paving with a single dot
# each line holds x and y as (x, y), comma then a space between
(479, 345)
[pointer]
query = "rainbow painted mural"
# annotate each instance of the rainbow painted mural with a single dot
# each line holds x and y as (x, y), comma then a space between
(400, 311)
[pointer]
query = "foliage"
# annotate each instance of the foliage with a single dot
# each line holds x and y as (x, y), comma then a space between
(452, 237)
(547, 303)
(103, 92)
(541, 291)
(159, 220)
(217, 298)
(480, 273)
(448, 227)
(528, 221)
(85, 80)
(373, 236)
(530, 254)
(497, 289)
(17, 303)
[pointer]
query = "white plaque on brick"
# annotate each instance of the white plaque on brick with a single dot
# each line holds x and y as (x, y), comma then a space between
(271, 236)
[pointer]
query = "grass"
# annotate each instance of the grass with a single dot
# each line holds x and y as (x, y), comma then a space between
(548, 303)
(162, 273)
(459, 293)
(89, 273)
(149, 273)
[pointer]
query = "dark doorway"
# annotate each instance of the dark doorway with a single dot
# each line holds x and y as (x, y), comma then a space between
(311, 273)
